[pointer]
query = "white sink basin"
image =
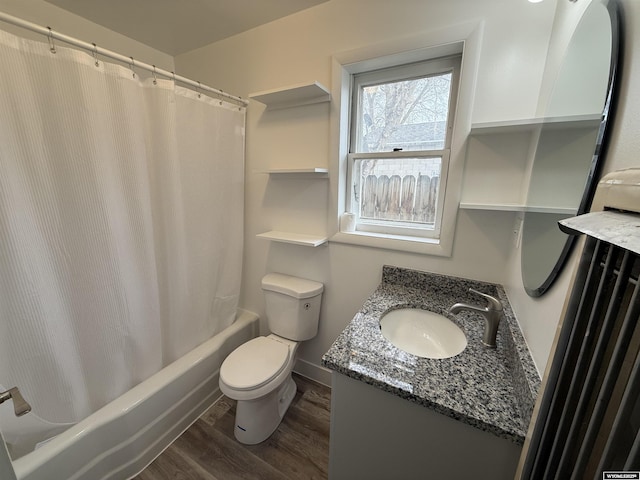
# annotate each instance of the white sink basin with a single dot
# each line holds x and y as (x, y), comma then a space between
(423, 333)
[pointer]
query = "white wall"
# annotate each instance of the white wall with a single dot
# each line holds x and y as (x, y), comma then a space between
(624, 147)
(539, 317)
(299, 49)
(61, 21)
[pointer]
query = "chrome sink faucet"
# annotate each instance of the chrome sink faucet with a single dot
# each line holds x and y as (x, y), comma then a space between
(492, 314)
(20, 405)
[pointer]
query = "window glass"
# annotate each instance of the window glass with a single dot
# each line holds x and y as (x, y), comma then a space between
(402, 190)
(410, 114)
(400, 137)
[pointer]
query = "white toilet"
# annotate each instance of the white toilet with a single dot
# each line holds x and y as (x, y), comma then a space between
(258, 373)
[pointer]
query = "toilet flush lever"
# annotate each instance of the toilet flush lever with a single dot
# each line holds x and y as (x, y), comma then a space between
(20, 405)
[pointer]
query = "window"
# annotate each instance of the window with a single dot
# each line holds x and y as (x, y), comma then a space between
(399, 148)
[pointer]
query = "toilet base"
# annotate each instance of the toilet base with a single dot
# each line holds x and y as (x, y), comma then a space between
(257, 419)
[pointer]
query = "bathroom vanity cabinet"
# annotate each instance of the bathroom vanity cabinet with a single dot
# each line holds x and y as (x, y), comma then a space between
(378, 435)
(397, 415)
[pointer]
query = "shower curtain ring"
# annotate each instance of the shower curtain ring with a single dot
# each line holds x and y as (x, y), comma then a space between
(131, 65)
(52, 46)
(95, 54)
(198, 90)
(155, 79)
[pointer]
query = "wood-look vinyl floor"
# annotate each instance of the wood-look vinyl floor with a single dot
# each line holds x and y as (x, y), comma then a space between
(299, 448)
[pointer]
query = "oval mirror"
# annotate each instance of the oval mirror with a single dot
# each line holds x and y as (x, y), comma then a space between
(570, 142)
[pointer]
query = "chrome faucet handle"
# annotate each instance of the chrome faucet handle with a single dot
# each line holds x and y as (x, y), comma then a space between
(20, 405)
(492, 302)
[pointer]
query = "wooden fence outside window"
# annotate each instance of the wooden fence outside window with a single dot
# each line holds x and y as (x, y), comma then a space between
(408, 198)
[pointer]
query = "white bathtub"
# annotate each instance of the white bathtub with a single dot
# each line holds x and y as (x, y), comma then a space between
(123, 437)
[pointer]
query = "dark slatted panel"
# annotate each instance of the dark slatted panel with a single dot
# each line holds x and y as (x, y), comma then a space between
(589, 416)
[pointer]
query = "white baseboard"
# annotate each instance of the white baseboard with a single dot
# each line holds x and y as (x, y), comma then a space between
(314, 372)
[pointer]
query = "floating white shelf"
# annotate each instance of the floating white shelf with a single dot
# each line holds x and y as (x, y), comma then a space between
(293, 238)
(501, 207)
(293, 96)
(313, 171)
(510, 126)
(513, 207)
(529, 124)
(553, 210)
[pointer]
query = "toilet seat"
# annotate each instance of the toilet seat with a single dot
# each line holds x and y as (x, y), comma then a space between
(254, 364)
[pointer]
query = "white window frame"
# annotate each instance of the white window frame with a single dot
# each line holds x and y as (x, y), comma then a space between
(403, 72)
(465, 38)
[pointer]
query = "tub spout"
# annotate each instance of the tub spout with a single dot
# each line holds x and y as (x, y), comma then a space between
(492, 314)
(20, 405)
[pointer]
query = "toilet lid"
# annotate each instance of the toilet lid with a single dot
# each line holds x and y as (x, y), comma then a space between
(254, 363)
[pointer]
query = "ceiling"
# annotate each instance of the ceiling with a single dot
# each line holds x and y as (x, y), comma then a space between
(178, 26)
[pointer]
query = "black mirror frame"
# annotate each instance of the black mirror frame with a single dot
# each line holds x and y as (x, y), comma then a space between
(602, 142)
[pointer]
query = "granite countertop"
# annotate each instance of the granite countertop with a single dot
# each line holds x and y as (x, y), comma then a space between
(490, 389)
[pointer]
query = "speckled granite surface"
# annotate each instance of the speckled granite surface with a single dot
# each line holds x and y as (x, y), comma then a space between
(491, 389)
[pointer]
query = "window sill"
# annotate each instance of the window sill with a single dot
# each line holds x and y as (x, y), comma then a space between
(427, 246)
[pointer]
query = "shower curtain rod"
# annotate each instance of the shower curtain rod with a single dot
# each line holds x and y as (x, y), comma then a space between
(93, 48)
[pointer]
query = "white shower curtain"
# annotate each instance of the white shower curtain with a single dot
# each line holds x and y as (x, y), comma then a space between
(121, 206)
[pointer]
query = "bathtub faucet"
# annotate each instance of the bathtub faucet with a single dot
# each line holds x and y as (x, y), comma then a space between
(492, 314)
(20, 405)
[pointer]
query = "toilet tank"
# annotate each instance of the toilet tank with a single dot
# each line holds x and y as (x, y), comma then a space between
(292, 305)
